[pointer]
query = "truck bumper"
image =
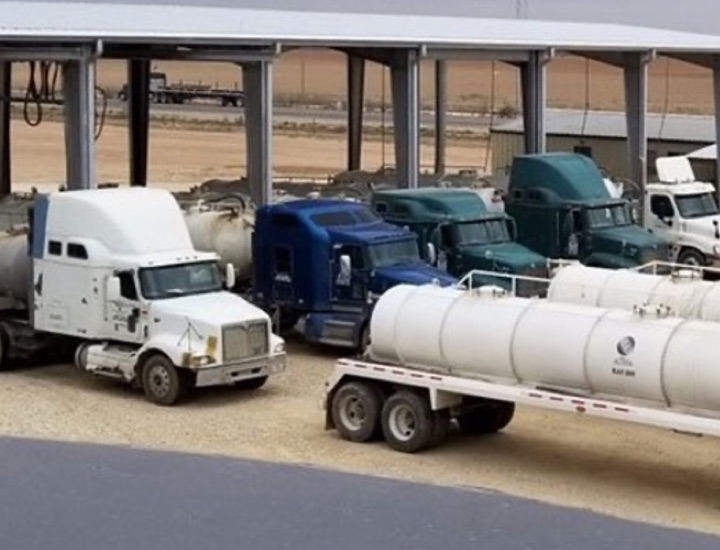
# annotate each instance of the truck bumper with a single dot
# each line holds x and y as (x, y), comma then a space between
(235, 372)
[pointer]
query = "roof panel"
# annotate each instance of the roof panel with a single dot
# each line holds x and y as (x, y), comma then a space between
(612, 124)
(117, 21)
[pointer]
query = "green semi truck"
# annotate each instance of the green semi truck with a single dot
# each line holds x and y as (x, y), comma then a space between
(457, 233)
(563, 209)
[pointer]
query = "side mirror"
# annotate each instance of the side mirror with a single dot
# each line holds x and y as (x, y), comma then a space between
(431, 254)
(345, 265)
(512, 228)
(112, 289)
(230, 278)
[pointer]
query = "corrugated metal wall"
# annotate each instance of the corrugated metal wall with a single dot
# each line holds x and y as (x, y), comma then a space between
(608, 153)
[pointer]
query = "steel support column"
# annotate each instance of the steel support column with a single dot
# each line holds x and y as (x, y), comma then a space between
(635, 69)
(356, 101)
(5, 150)
(138, 88)
(79, 95)
(405, 76)
(716, 92)
(257, 83)
(441, 72)
(533, 75)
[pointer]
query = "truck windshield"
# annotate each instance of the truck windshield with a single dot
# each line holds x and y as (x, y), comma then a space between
(482, 232)
(608, 216)
(696, 206)
(393, 253)
(172, 281)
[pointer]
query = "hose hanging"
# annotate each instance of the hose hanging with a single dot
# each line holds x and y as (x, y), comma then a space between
(587, 101)
(32, 96)
(666, 105)
(492, 114)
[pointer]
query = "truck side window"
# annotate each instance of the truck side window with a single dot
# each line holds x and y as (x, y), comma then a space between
(356, 256)
(55, 248)
(283, 260)
(446, 239)
(127, 285)
(661, 206)
(78, 251)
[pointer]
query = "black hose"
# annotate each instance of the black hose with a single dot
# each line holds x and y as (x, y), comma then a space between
(225, 196)
(103, 111)
(32, 96)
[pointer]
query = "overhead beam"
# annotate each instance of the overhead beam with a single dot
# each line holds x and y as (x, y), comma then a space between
(258, 85)
(5, 149)
(60, 54)
(138, 119)
(405, 77)
(79, 94)
(461, 54)
(356, 102)
(230, 55)
(441, 81)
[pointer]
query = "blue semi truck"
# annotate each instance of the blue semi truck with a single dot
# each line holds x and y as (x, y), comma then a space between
(322, 264)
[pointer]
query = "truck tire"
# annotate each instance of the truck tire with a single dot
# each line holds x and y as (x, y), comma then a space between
(408, 423)
(487, 419)
(162, 383)
(441, 426)
(251, 383)
(690, 256)
(355, 410)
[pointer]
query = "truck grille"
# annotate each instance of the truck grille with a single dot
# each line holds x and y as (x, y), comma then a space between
(245, 341)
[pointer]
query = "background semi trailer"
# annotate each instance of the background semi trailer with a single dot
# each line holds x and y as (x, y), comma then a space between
(443, 354)
(113, 274)
(161, 91)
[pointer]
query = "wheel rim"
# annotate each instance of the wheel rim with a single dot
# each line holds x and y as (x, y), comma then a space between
(352, 412)
(691, 260)
(402, 423)
(159, 380)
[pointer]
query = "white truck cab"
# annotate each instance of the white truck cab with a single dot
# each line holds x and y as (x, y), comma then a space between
(683, 212)
(115, 269)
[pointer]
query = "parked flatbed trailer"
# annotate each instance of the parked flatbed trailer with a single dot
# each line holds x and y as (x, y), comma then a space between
(177, 94)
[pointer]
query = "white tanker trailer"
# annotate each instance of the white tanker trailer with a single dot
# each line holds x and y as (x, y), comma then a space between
(442, 353)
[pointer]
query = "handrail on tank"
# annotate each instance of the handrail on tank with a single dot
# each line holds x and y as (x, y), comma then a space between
(673, 267)
(466, 281)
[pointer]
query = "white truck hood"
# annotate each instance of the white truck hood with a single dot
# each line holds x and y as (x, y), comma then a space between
(702, 227)
(217, 308)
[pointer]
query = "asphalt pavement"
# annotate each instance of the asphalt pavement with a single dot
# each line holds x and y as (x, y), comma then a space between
(73, 496)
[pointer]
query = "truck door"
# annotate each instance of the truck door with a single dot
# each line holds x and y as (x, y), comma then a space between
(662, 219)
(348, 275)
(126, 323)
(282, 275)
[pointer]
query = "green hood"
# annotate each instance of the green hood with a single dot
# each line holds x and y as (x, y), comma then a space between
(504, 257)
(630, 242)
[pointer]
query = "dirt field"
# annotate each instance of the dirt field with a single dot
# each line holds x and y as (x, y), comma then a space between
(182, 157)
(319, 76)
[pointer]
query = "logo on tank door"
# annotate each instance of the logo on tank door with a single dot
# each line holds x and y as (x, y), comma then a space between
(623, 365)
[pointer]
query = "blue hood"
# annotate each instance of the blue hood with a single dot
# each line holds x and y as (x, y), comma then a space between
(411, 274)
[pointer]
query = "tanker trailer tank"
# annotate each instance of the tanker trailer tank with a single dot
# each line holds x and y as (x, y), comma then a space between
(683, 292)
(225, 231)
(642, 356)
(15, 269)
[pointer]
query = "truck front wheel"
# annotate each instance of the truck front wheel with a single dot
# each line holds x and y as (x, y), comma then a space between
(408, 423)
(161, 381)
(487, 418)
(693, 257)
(355, 411)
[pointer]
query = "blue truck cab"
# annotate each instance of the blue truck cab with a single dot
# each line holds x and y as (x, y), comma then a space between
(326, 262)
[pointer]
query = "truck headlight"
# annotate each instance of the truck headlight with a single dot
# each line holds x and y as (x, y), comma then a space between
(716, 250)
(201, 360)
(279, 347)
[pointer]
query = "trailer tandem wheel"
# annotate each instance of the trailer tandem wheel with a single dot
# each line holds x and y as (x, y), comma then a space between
(408, 422)
(356, 408)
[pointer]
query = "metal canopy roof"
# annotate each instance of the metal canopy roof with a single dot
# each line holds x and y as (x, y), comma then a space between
(47, 22)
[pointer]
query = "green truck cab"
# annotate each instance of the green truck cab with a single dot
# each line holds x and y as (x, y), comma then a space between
(457, 233)
(563, 210)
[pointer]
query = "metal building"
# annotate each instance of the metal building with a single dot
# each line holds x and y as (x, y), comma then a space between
(602, 135)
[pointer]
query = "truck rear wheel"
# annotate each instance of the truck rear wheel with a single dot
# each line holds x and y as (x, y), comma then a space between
(162, 383)
(251, 383)
(356, 410)
(408, 423)
(487, 418)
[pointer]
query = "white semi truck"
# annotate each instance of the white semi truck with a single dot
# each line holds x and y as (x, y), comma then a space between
(113, 273)
(438, 354)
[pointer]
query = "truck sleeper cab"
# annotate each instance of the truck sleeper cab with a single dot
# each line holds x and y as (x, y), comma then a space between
(563, 210)
(115, 271)
(325, 263)
(457, 233)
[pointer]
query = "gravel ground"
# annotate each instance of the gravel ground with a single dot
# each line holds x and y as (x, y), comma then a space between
(623, 470)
